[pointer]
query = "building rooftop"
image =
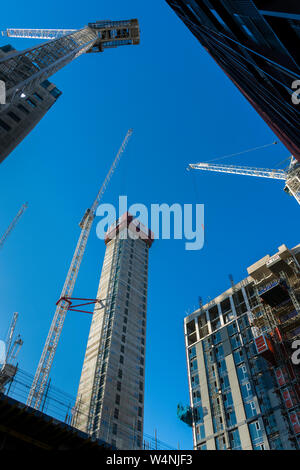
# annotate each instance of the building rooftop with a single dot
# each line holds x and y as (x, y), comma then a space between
(256, 271)
(128, 221)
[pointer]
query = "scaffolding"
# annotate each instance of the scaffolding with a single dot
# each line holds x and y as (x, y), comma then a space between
(62, 407)
(277, 319)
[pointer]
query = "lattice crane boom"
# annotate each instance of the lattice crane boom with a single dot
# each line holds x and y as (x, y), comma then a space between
(291, 176)
(36, 33)
(11, 334)
(13, 224)
(22, 71)
(241, 170)
(43, 370)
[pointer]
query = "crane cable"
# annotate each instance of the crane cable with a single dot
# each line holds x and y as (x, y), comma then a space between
(241, 153)
(282, 161)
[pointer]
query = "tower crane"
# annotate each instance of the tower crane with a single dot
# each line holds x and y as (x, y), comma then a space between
(13, 224)
(36, 33)
(291, 176)
(23, 70)
(8, 368)
(43, 370)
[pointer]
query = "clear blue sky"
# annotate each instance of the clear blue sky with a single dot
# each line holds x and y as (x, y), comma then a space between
(183, 109)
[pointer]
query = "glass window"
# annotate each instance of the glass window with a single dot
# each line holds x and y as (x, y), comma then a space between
(217, 337)
(37, 96)
(227, 398)
(219, 352)
(235, 442)
(242, 372)
(115, 428)
(195, 380)
(238, 356)
(55, 92)
(250, 409)
(222, 366)
(23, 109)
(31, 103)
(4, 125)
(45, 84)
(14, 116)
(246, 390)
(221, 442)
(232, 329)
(224, 382)
(255, 432)
(231, 418)
(235, 341)
(192, 352)
(196, 396)
(200, 432)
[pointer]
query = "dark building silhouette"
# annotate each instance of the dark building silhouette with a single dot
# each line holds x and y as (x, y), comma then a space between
(257, 44)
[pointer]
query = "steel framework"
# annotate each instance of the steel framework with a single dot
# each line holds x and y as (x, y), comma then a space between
(22, 71)
(43, 370)
(86, 303)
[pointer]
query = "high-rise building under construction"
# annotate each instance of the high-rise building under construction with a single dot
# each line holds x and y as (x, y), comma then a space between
(110, 399)
(244, 384)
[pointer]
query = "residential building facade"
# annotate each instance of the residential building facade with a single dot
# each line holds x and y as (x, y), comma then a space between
(244, 389)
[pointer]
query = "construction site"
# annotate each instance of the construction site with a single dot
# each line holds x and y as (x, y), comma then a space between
(243, 347)
(71, 422)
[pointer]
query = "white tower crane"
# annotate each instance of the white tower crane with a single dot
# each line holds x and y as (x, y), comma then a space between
(13, 224)
(23, 70)
(12, 348)
(291, 176)
(43, 370)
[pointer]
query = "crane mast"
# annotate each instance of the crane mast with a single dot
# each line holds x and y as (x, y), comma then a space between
(42, 373)
(11, 334)
(13, 224)
(8, 369)
(291, 176)
(23, 71)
